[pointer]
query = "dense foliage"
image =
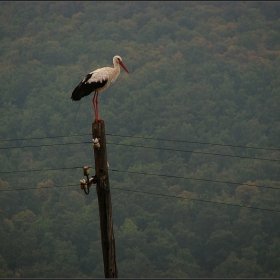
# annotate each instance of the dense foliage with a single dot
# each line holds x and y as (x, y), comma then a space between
(200, 72)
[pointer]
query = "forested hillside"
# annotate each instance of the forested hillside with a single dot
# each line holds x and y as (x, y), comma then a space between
(193, 138)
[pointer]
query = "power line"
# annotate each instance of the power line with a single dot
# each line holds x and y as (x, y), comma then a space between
(143, 173)
(194, 142)
(36, 188)
(39, 170)
(45, 145)
(42, 138)
(151, 193)
(201, 200)
(142, 137)
(195, 152)
(139, 146)
(191, 178)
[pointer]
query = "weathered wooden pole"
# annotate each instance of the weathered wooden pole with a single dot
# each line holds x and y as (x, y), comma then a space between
(104, 201)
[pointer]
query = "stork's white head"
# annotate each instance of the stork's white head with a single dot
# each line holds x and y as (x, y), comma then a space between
(118, 60)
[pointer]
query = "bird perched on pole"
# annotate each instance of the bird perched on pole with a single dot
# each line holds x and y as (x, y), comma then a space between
(98, 80)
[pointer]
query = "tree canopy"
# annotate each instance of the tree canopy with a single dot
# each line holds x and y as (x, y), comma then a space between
(193, 137)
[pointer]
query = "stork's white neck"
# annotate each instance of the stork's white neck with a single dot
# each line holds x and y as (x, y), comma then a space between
(116, 71)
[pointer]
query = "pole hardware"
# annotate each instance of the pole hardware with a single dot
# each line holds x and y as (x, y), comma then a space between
(95, 143)
(85, 184)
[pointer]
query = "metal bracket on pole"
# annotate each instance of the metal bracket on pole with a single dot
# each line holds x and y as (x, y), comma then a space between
(85, 184)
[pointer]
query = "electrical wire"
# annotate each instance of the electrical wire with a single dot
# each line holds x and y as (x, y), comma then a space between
(193, 142)
(143, 173)
(39, 170)
(191, 178)
(45, 145)
(151, 193)
(140, 146)
(194, 152)
(42, 138)
(201, 200)
(142, 137)
(36, 188)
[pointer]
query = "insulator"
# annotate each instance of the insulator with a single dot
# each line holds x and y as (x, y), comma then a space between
(86, 170)
(96, 143)
(83, 184)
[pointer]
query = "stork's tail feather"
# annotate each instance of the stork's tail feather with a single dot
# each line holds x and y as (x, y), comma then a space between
(78, 92)
(85, 88)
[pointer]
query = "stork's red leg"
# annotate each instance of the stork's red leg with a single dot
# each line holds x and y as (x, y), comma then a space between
(95, 105)
(93, 102)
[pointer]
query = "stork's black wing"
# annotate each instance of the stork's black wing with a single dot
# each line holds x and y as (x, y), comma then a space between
(85, 88)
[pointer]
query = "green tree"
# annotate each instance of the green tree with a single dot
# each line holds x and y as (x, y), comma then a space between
(233, 267)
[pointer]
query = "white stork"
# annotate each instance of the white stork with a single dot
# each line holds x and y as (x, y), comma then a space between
(98, 80)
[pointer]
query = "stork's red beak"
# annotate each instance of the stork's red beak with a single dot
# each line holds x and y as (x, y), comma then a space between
(123, 66)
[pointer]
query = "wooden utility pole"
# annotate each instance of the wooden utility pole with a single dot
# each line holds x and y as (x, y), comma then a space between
(104, 200)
